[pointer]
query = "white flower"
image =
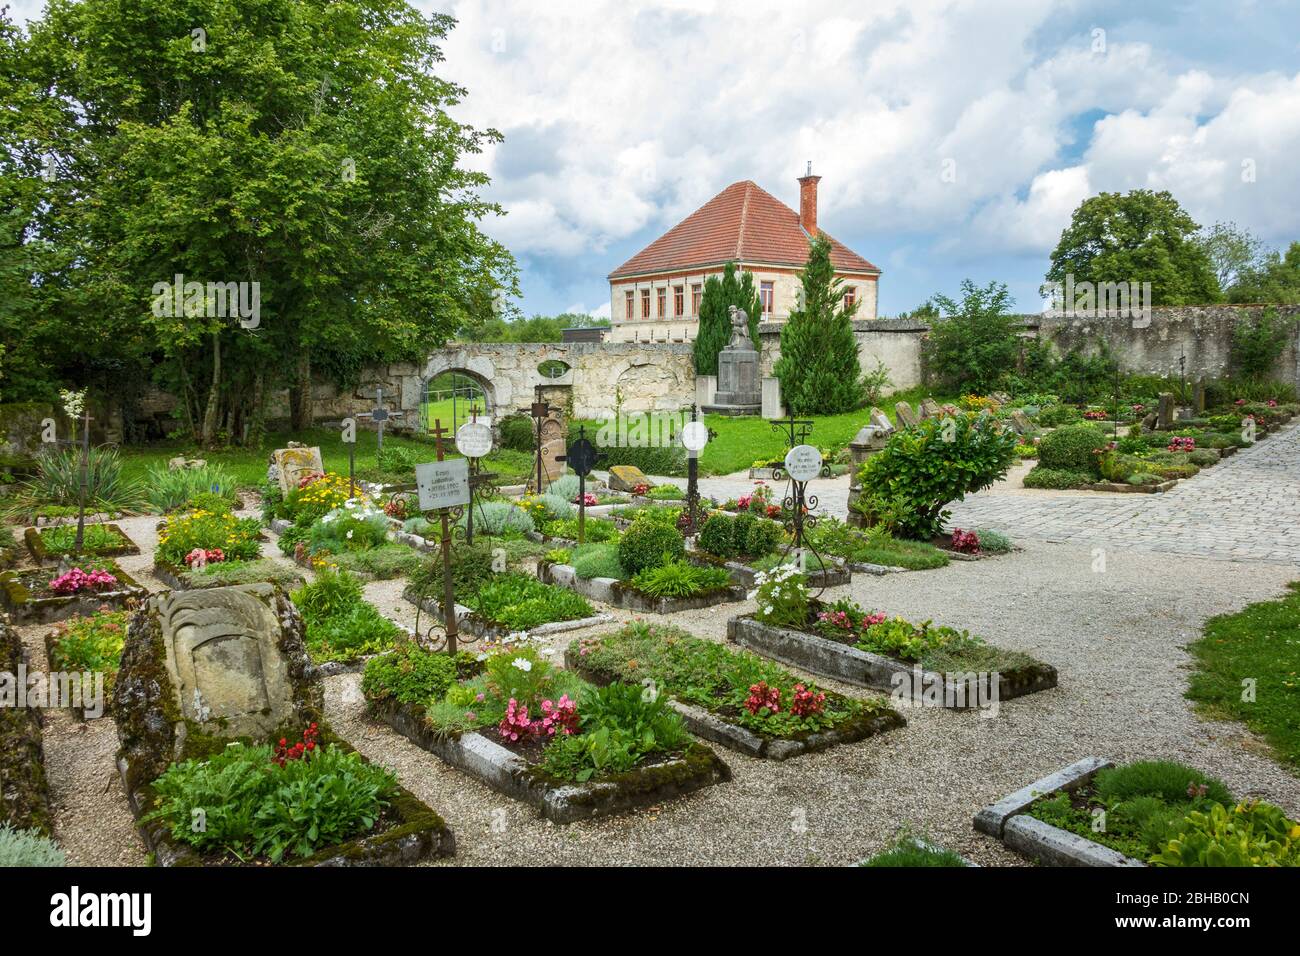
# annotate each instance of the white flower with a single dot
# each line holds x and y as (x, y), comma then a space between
(523, 663)
(481, 657)
(349, 535)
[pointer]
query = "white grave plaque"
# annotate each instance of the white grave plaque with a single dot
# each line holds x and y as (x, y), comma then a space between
(803, 462)
(442, 484)
(474, 439)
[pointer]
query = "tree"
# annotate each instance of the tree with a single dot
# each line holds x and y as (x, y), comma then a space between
(301, 145)
(1258, 342)
(539, 328)
(975, 343)
(819, 369)
(1232, 251)
(1274, 279)
(1141, 236)
(720, 292)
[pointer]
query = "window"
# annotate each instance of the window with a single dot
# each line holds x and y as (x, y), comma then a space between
(661, 299)
(696, 293)
(645, 303)
(679, 300)
(629, 310)
(765, 295)
(850, 295)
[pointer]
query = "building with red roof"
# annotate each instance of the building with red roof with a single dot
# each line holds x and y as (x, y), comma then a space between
(655, 295)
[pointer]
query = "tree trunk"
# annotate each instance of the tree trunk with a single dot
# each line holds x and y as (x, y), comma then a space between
(212, 414)
(300, 410)
(256, 413)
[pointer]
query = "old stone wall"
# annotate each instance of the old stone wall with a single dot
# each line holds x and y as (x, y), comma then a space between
(896, 342)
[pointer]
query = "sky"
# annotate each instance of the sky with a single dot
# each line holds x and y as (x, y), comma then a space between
(954, 139)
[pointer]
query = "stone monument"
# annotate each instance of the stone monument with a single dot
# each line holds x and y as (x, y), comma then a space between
(740, 384)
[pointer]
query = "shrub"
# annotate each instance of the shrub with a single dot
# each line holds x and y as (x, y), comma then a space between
(316, 498)
(762, 538)
(1258, 344)
(355, 528)
(1072, 448)
(566, 487)
(1057, 415)
(647, 544)
(939, 461)
(973, 345)
(1165, 779)
(597, 561)
(680, 579)
(28, 848)
(169, 489)
(471, 566)
(516, 432)
(499, 518)
(1056, 479)
(409, 675)
(57, 481)
(993, 542)
(715, 536)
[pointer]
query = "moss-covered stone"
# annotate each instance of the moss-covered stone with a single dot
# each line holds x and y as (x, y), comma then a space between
(24, 790)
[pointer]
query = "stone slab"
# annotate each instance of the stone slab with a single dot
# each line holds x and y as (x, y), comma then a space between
(992, 819)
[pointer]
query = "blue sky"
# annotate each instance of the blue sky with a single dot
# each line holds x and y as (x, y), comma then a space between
(622, 117)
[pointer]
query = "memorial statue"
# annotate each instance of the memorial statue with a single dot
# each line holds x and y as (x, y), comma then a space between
(739, 330)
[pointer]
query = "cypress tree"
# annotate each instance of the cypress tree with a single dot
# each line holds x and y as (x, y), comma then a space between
(731, 288)
(819, 369)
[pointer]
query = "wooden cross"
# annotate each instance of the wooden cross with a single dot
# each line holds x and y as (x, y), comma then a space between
(379, 415)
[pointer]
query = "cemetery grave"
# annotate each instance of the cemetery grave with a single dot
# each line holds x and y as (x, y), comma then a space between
(47, 545)
(44, 595)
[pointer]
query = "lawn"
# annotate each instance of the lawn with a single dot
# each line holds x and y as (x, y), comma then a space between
(1259, 644)
(742, 441)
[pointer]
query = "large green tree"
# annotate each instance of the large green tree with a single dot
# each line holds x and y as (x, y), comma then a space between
(974, 345)
(733, 287)
(1139, 236)
(819, 369)
(304, 145)
(1273, 278)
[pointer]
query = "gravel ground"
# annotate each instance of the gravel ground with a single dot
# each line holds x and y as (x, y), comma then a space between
(1116, 638)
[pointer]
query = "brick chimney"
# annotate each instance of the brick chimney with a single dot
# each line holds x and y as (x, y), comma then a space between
(808, 201)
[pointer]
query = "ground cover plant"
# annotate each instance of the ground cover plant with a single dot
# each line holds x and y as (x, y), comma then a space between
(874, 546)
(1166, 814)
(96, 539)
(28, 848)
(907, 851)
(1260, 645)
(90, 645)
(519, 602)
(383, 562)
(223, 573)
(272, 802)
(187, 537)
(566, 728)
(596, 530)
(86, 576)
(341, 625)
(738, 686)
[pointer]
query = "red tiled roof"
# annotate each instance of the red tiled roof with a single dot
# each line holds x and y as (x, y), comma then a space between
(743, 223)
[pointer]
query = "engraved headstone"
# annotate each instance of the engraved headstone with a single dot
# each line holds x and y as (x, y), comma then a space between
(906, 416)
(292, 463)
(930, 409)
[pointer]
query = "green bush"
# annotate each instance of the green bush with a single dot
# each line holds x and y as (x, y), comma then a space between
(28, 848)
(762, 538)
(516, 432)
(1072, 448)
(340, 623)
(169, 489)
(409, 675)
(597, 561)
(1252, 834)
(680, 579)
(1165, 779)
(715, 536)
(647, 544)
(566, 487)
(1056, 415)
(924, 468)
(621, 725)
(667, 493)
(1056, 479)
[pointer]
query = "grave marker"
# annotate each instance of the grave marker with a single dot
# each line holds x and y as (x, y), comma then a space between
(906, 417)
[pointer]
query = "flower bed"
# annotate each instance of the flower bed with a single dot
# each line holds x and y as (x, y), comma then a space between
(342, 626)
(48, 545)
(43, 595)
(508, 602)
(86, 646)
(540, 735)
(1151, 812)
(924, 663)
(224, 573)
(734, 698)
(203, 537)
(626, 594)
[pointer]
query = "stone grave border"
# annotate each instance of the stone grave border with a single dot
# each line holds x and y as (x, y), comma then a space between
(820, 655)
(747, 577)
(1007, 821)
(17, 601)
(32, 538)
(559, 801)
(22, 754)
(622, 594)
(471, 622)
(710, 726)
(173, 577)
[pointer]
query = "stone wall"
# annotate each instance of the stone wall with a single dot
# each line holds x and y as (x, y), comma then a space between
(896, 342)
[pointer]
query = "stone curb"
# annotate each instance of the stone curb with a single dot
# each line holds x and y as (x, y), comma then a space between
(993, 818)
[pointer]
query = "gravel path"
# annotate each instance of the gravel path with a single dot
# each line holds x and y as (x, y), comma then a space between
(1116, 637)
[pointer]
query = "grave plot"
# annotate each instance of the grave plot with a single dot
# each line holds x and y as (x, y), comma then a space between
(43, 595)
(646, 568)
(746, 546)
(1153, 812)
(734, 698)
(194, 540)
(89, 651)
(343, 629)
(928, 664)
(539, 734)
(50, 544)
(26, 804)
(873, 553)
(213, 686)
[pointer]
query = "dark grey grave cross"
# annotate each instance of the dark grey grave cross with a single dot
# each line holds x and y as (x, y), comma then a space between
(379, 415)
(582, 457)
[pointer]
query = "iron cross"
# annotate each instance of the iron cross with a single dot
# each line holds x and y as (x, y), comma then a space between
(379, 415)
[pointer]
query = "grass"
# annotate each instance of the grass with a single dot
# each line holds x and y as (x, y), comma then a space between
(742, 441)
(1259, 644)
(910, 852)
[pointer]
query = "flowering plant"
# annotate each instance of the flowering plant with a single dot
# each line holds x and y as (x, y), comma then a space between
(317, 496)
(1181, 443)
(204, 556)
(587, 498)
(783, 597)
(396, 509)
(284, 751)
(357, 525)
(1094, 415)
(965, 542)
(806, 702)
(763, 697)
(640, 489)
(759, 500)
(74, 580)
(235, 538)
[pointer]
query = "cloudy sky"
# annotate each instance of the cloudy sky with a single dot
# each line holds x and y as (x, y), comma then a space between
(954, 138)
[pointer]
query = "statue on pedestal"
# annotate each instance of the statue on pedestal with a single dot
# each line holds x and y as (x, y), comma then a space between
(739, 330)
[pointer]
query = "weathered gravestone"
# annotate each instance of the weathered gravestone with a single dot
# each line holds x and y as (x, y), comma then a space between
(931, 409)
(906, 417)
(626, 477)
(290, 464)
(1002, 398)
(881, 421)
(1021, 423)
(1165, 412)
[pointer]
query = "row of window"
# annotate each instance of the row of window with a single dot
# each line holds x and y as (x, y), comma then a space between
(766, 297)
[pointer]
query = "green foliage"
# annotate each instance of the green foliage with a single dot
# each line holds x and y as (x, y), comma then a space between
(1056, 479)
(648, 544)
(819, 369)
(733, 287)
(939, 461)
(1140, 236)
(782, 597)
(349, 529)
(409, 675)
(387, 561)
(499, 519)
(1251, 834)
(834, 537)
(680, 579)
(620, 727)
(1156, 778)
(596, 530)
(1258, 343)
(971, 348)
(520, 602)
(516, 432)
(565, 486)
(171, 489)
(96, 539)
(667, 493)
(28, 848)
(1056, 415)
(90, 644)
(223, 573)
(341, 624)
(471, 566)
(539, 328)
(993, 542)
(252, 806)
(1273, 278)
(729, 537)
(908, 852)
(715, 535)
(597, 561)
(1072, 448)
(57, 481)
